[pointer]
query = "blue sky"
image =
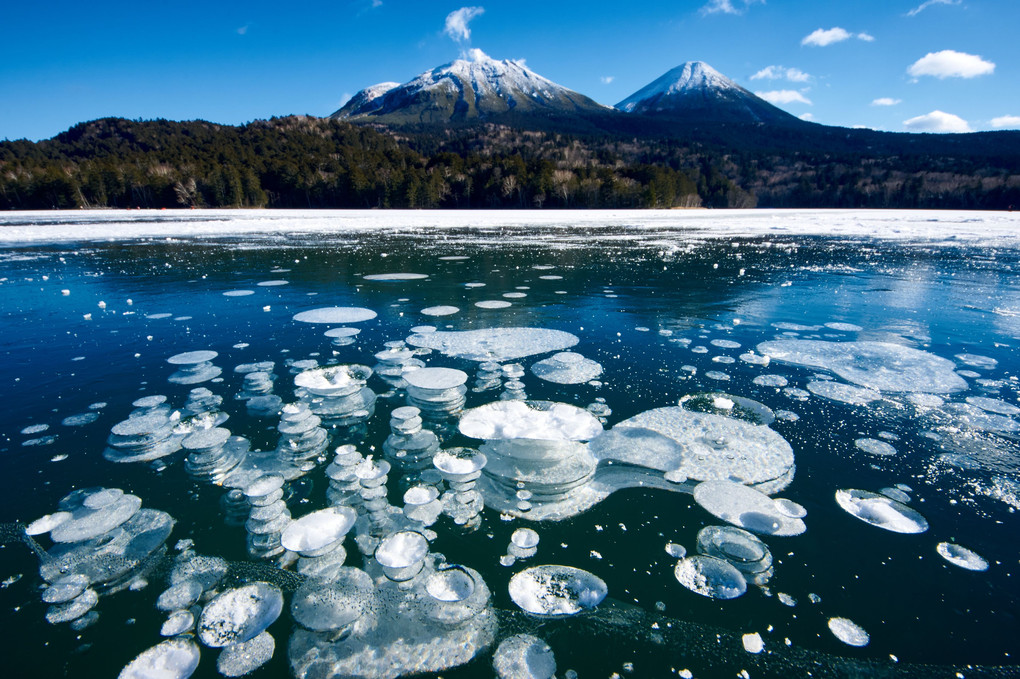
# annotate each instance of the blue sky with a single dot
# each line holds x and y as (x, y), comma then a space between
(900, 65)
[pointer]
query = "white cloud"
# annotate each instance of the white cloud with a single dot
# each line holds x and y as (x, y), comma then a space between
(606, 79)
(778, 97)
(794, 75)
(1006, 123)
(928, 3)
(937, 121)
(807, 116)
(457, 22)
(886, 101)
(242, 30)
(728, 6)
(376, 3)
(822, 37)
(950, 64)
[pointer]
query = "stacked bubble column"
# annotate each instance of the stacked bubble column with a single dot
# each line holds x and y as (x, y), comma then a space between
(302, 440)
(344, 486)
(372, 475)
(409, 446)
(268, 518)
(213, 453)
(461, 468)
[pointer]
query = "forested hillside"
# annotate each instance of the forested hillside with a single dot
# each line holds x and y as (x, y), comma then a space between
(306, 162)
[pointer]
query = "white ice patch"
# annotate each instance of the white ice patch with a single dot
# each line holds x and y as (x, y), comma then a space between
(567, 367)
(848, 632)
(440, 310)
(393, 277)
(541, 420)
(336, 315)
(844, 393)
(746, 508)
(961, 556)
(877, 365)
(553, 590)
(495, 344)
(875, 447)
(881, 511)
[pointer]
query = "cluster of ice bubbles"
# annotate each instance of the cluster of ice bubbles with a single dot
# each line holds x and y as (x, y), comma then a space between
(405, 610)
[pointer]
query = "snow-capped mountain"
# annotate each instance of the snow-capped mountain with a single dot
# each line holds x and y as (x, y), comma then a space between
(696, 91)
(478, 87)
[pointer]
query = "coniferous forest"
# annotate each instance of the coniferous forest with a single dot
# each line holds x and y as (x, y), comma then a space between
(307, 162)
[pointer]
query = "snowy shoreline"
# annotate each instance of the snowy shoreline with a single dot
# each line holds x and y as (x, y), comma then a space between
(929, 226)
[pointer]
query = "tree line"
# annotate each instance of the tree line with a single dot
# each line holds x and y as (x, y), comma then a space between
(307, 162)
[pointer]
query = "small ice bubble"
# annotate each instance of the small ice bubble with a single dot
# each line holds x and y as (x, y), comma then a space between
(753, 643)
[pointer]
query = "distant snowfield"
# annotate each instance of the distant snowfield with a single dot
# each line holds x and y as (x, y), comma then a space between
(556, 227)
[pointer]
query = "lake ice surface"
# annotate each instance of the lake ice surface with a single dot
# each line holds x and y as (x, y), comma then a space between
(96, 302)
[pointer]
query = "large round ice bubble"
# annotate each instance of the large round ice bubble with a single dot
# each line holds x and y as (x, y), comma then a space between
(710, 576)
(495, 344)
(881, 511)
(541, 420)
(713, 447)
(328, 606)
(523, 656)
(240, 614)
(313, 532)
(878, 365)
(567, 367)
(747, 508)
(336, 315)
(552, 590)
(171, 659)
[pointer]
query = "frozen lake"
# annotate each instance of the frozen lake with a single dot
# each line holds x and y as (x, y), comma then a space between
(772, 442)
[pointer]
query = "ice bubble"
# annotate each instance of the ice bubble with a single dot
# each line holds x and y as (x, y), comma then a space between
(877, 365)
(245, 657)
(73, 609)
(844, 393)
(977, 361)
(35, 429)
(895, 494)
(177, 623)
(393, 277)
(993, 405)
(777, 381)
(438, 379)
(676, 551)
(844, 327)
(238, 293)
(515, 295)
(65, 589)
(493, 304)
(725, 344)
(881, 511)
(170, 659)
(459, 464)
(540, 420)
(189, 358)
(525, 538)
(336, 380)
(313, 532)
(790, 508)
(180, 596)
(402, 549)
(961, 556)
(45, 524)
(753, 643)
(875, 447)
(495, 344)
(240, 614)
(925, 400)
(708, 446)
(156, 317)
(752, 358)
(272, 284)
(553, 590)
(567, 367)
(322, 606)
(335, 333)
(86, 523)
(335, 315)
(710, 577)
(450, 584)
(717, 375)
(440, 310)
(729, 405)
(79, 420)
(967, 415)
(746, 508)
(848, 632)
(523, 656)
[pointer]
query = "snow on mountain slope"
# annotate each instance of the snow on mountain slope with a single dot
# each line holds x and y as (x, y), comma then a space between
(478, 87)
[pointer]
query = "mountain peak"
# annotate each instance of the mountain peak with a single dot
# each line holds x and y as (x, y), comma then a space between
(475, 86)
(696, 91)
